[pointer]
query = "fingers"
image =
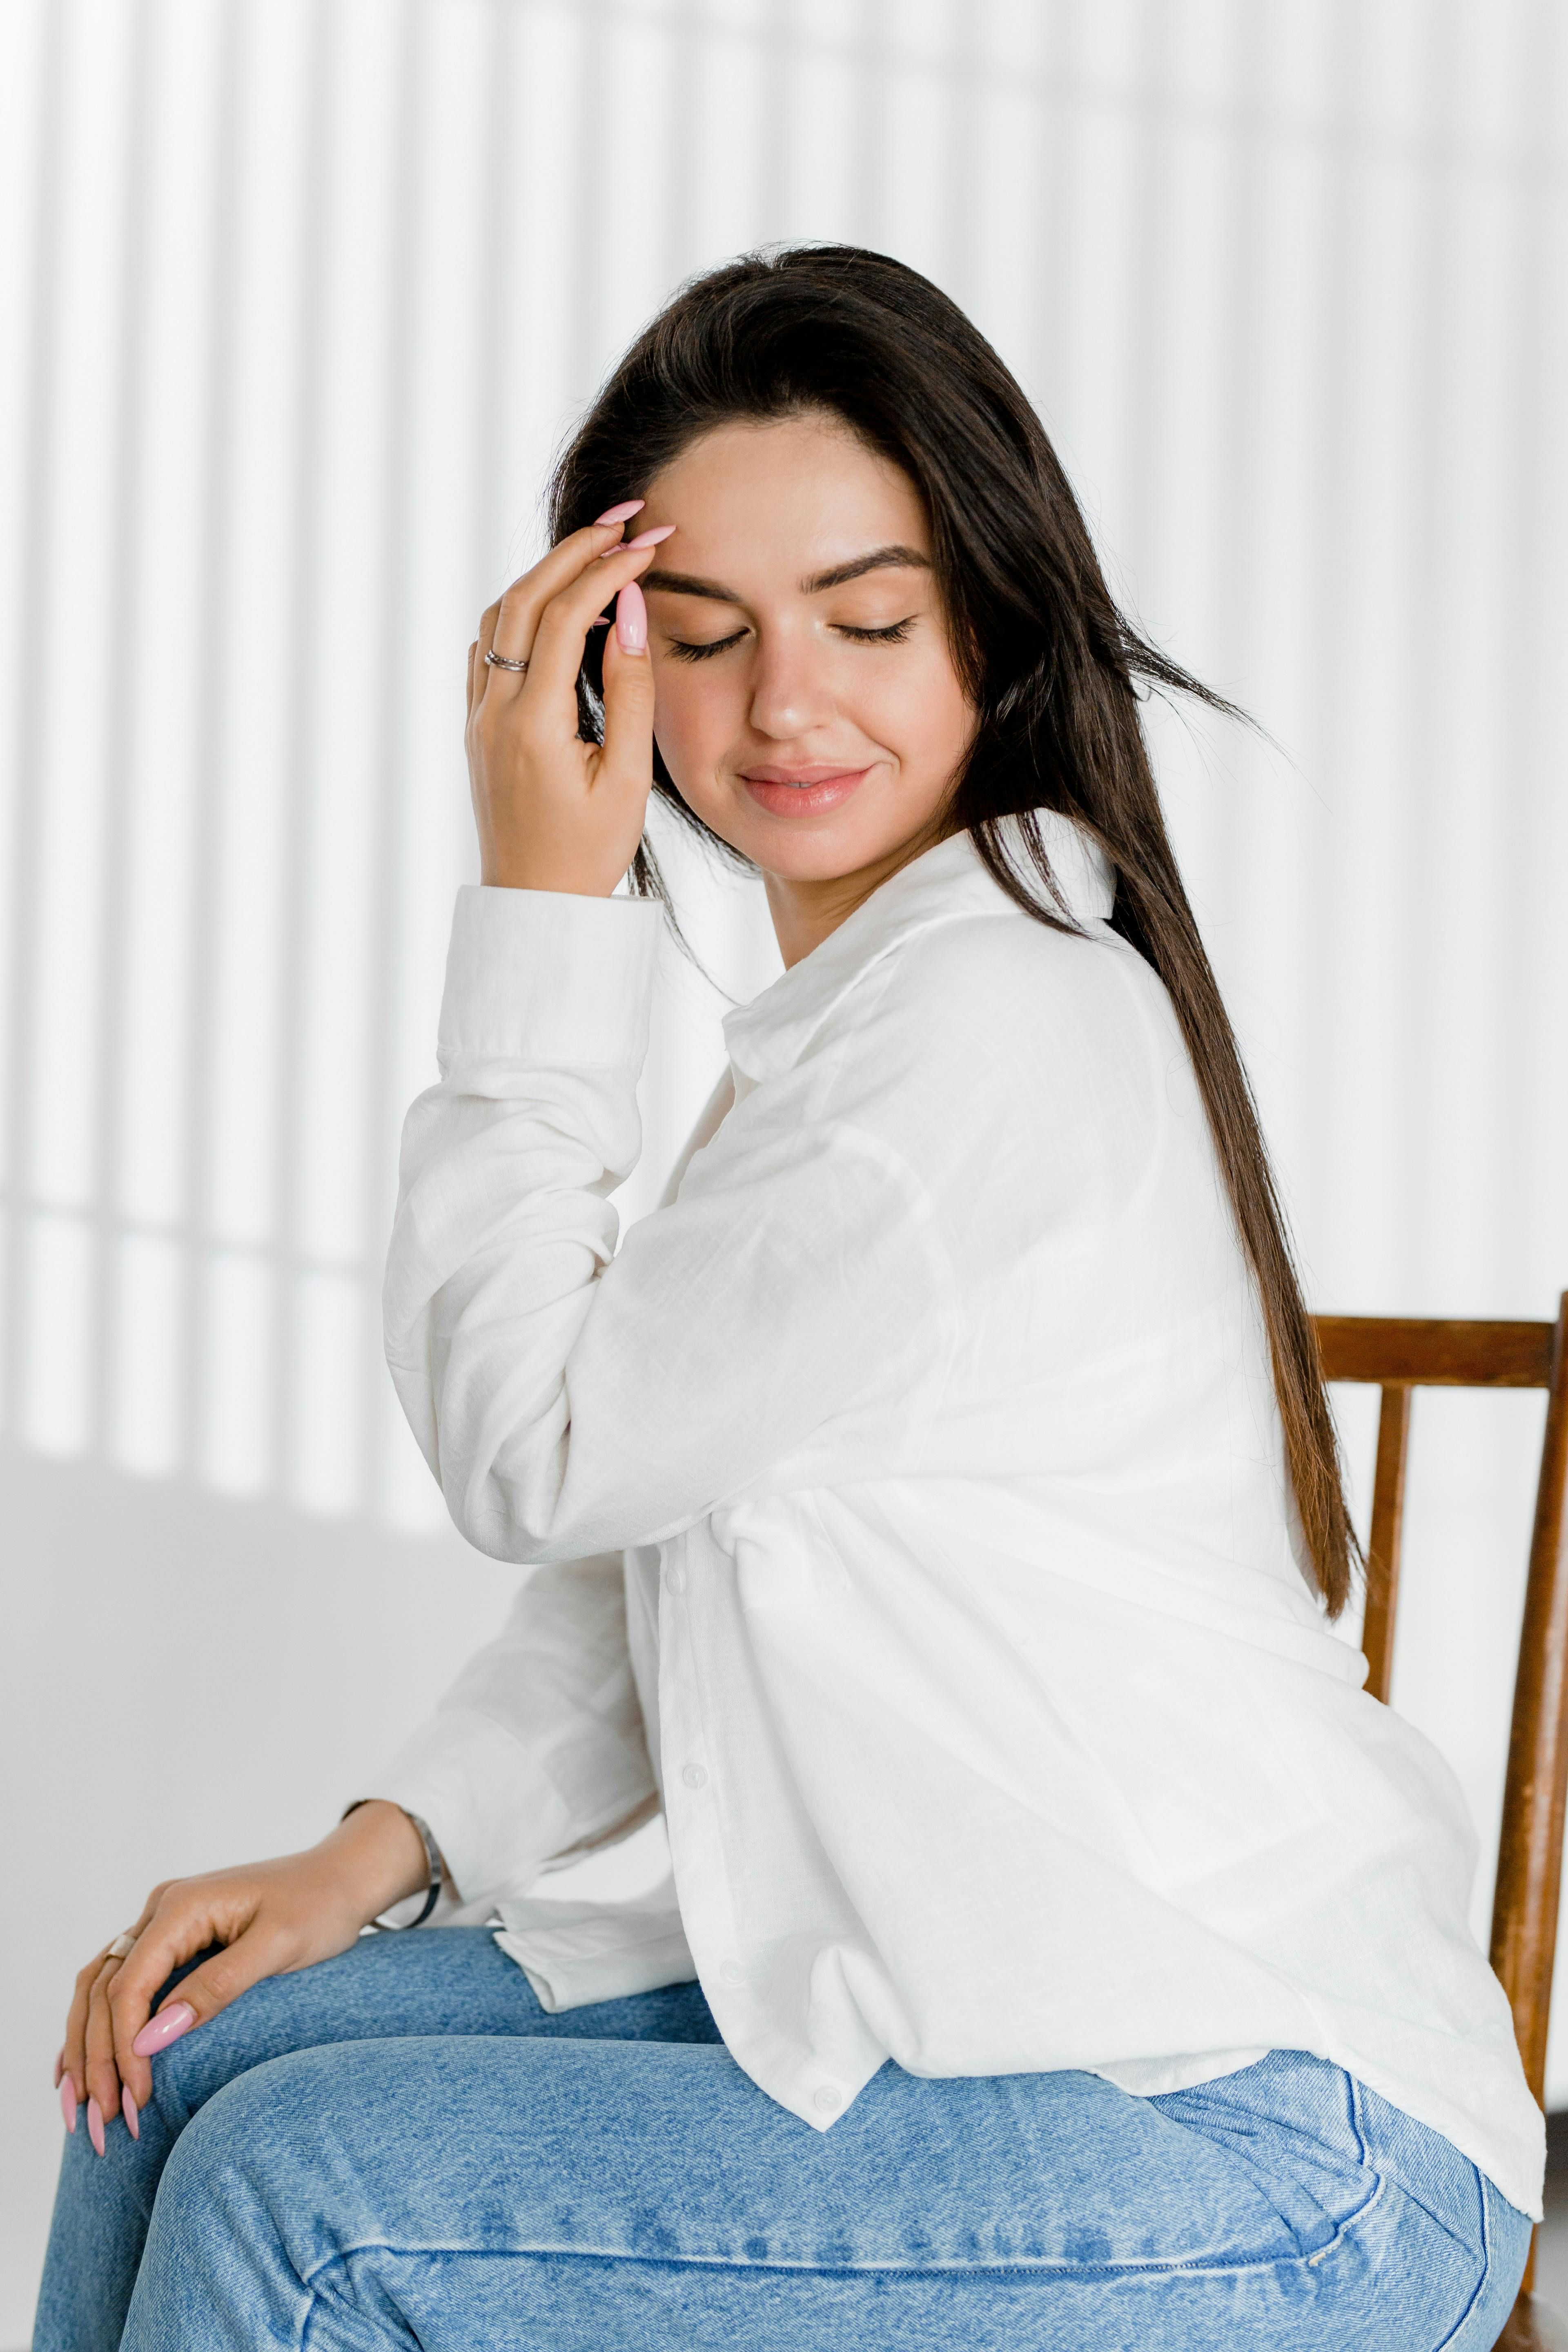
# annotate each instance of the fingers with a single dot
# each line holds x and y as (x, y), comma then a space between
(70, 2068)
(511, 628)
(628, 761)
(563, 625)
(508, 627)
(182, 1927)
(104, 2084)
(73, 2079)
(253, 1922)
(100, 2076)
(533, 779)
(196, 1998)
(485, 640)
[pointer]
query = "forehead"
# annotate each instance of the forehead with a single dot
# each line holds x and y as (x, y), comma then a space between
(802, 493)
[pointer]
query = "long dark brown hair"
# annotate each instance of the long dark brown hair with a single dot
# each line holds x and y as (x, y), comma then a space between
(1050, 664)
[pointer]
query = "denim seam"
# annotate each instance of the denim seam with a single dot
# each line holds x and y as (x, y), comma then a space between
(1045, 2266)
(1486, 2261)
(1406, 2189)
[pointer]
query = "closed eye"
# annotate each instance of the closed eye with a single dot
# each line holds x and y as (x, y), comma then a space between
(895, 632)
(683, 651)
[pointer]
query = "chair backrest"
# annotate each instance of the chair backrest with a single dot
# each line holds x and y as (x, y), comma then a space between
(1399, 1357)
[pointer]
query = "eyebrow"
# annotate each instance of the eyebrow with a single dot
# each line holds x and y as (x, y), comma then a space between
(880, 558)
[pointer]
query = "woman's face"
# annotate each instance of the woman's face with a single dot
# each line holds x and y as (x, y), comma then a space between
(808, 708)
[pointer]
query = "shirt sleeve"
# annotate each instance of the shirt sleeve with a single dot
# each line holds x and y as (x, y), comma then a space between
(572, 1400)
(538, 1752)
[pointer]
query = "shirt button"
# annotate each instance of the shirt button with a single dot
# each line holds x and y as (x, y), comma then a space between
(695, 1777)
(828, 2098)
(675, 1581)
(732, 1972)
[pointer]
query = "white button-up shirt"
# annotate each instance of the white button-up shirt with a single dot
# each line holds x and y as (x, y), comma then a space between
(910, 1524)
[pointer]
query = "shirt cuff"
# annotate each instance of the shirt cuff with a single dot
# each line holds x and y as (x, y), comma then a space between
(495, 1816)
(541, 976)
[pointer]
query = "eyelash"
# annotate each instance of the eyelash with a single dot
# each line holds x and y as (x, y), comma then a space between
(894, 635)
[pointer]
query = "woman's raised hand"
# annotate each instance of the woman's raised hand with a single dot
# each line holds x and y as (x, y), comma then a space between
(554, 812)
(270, 1917)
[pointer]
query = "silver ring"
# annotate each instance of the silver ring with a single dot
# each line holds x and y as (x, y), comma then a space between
(499, 661)
(121, 1945)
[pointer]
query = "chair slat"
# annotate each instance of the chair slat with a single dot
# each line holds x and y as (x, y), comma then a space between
(1384, 1547)
(1529, 1858)
(1435, 1354)
(1398, 1356)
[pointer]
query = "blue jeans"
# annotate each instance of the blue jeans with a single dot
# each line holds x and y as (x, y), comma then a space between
(401, 2148)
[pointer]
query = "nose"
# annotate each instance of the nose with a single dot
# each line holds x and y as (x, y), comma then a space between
(790, 693)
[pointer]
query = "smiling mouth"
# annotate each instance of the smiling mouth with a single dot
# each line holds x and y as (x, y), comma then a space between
(802, 792)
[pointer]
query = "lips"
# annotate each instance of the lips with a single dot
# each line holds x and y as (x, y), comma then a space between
(802, 792)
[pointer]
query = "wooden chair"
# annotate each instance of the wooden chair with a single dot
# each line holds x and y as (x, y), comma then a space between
(1399, 1357)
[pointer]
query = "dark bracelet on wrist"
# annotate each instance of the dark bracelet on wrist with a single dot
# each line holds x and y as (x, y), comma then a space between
(433, 1859)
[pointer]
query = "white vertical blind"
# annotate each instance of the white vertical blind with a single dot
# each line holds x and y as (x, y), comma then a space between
(301, 296)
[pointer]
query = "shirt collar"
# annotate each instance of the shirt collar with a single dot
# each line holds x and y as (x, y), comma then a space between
(770, 1034)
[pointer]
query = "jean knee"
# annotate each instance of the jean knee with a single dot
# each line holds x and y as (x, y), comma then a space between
(260, 2024)
(256, 2144)
(221, 2137)
(225, 2256)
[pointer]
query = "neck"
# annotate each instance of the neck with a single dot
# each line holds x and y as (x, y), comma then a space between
(805, 913)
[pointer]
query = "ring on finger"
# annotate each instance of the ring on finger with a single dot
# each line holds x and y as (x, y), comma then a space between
(122, 1945)
(499, 661)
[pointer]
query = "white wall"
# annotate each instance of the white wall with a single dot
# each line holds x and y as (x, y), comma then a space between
(299, 295)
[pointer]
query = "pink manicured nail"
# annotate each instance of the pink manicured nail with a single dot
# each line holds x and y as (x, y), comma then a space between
(631, 619)
(68, 2103)
(128, 2109)
(647, 538)
(95, 2125)
(178, 2019)
(623, 513)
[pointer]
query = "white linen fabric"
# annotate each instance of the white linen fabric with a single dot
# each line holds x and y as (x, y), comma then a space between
(910, 1519)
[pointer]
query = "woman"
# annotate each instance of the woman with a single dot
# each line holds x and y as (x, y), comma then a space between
(934, 1508)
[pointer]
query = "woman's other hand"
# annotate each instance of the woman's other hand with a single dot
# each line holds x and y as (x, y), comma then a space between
(554, 812)
(271, 1918)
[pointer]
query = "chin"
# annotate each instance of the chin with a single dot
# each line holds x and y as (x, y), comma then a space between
(810, 849)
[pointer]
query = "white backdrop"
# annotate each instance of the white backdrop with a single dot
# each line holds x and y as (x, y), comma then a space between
(298, 297)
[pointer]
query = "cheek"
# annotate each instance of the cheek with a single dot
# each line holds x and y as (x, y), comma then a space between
(918, 709)
(691, 720)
